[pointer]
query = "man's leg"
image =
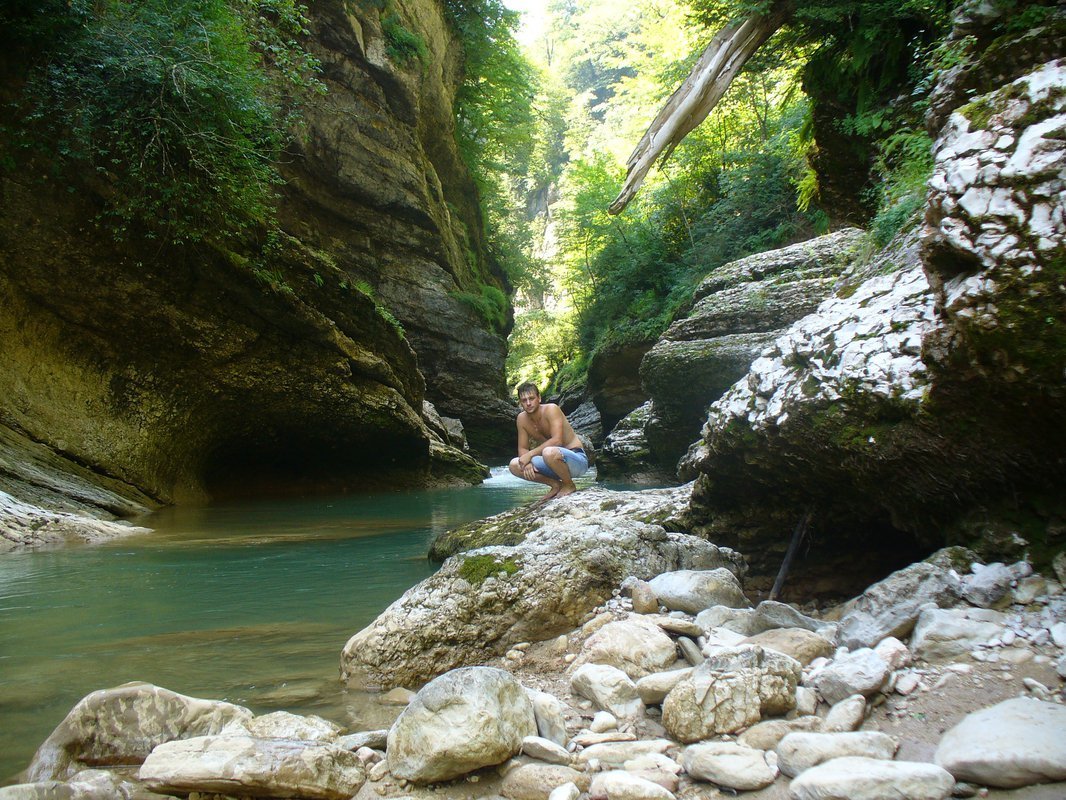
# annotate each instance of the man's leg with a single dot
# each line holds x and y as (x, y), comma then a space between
(553, 457)
(553, 485)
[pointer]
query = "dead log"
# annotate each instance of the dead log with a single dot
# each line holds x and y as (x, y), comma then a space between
(690, 104)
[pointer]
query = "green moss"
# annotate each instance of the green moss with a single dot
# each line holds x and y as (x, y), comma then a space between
(475, 569)
(401, 44)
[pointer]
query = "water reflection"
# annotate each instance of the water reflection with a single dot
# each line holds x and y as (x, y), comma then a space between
(250, 603)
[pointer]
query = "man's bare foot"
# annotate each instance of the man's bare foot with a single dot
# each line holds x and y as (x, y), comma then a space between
(549, 496)
(566, 489)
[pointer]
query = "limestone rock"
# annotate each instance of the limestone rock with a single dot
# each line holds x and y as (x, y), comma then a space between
(802, 645)
(464, 720)
(123, 725)
(609, 688)
(548, 711)
(990, 584)
(695, 590)
(891, 606)
(654, 688)
(861, 672)
(576, 551)
(856, 778)
(616, 754)
(644, 599)
(730, 691)
(245, 765)
(636, 646)
(727, 764)
(545, 750)
(626, 454)
(621, 785)
(89, 784)
(765, 735)
(943, 634)
(846, 714)
(538, 781)
(1014, 743)
(283, 725)
(376, 740)
(798, 752)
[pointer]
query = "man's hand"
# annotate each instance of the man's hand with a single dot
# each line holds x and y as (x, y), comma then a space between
(529, 471)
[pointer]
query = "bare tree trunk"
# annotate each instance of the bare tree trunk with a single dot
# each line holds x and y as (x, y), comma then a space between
(703, 88)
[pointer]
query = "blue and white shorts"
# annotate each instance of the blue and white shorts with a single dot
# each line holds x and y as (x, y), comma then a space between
(576, 461)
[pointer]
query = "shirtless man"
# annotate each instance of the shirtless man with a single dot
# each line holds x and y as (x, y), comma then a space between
(559, 458)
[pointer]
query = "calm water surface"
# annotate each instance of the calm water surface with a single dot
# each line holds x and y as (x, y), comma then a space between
(249, 603)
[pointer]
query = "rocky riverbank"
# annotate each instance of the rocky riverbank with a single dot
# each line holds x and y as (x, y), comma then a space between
(943, 679)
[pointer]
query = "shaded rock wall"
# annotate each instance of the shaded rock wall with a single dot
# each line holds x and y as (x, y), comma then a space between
(376, 181)
(179, 372)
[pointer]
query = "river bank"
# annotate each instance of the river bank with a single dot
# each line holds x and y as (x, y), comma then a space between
(618, 692)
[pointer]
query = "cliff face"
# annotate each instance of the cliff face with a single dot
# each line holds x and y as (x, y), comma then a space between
(180, 371)
(377, 181)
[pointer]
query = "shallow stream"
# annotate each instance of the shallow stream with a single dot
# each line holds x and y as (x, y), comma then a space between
(250, 603)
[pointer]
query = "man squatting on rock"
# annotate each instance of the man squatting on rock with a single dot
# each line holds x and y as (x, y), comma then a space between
(559, 458)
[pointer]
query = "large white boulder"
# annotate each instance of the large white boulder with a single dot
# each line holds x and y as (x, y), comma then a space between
(466, 719)
(123, 725)
(695, 590)
(1011, 744)
(730, 691)
(247, 766)
(856, 778)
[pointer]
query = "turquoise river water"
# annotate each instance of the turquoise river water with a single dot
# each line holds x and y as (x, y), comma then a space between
(250, 603)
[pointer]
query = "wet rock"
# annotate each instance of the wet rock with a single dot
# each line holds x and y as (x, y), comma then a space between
(856, 778)
(123, 725)
(609, 688)
(798, 752)
(245, 765)
(464, 720)
(1014, 743)
(731, 691)
(727, 764)
(695, 590)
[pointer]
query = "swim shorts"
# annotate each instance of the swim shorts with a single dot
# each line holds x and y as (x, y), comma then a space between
(576, 461)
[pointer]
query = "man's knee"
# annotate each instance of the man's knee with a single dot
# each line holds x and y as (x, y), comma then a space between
(515, 466)
(552, 453)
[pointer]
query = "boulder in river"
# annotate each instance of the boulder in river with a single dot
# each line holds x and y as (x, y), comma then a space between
(573, 556)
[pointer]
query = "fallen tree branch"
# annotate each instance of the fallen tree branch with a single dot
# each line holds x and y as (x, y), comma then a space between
(690, 104)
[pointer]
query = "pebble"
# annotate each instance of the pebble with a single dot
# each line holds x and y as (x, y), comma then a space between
(603, 721)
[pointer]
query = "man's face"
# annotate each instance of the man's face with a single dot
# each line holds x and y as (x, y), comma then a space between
(530, 402)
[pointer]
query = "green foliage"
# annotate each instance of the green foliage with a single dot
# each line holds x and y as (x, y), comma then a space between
(366, 289)
(542, 345)
(175, 109)
(905, 164)
(401, 45)
(491, 305)
(495, 126)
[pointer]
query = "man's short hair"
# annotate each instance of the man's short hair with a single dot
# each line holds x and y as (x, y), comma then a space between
(527, 388)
